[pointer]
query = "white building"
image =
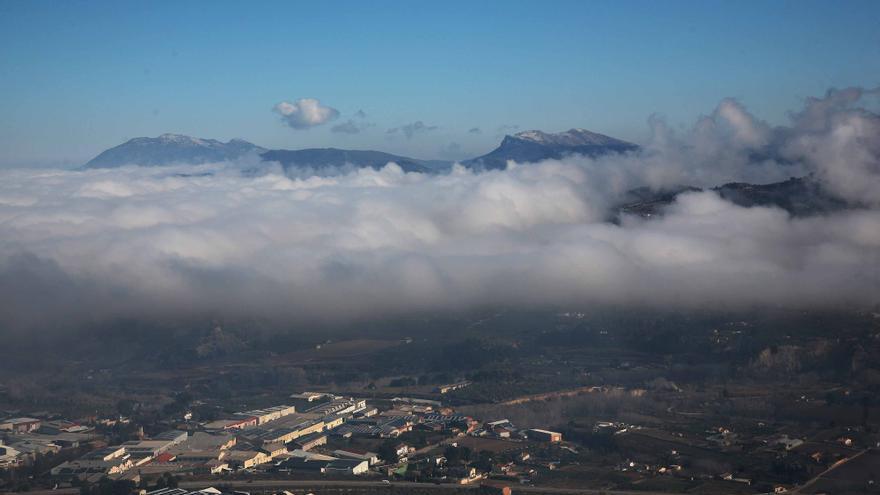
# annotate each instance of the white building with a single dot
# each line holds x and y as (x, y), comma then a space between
(9, 457)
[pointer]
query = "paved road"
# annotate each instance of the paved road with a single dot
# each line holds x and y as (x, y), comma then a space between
(292, 485)
(60, 491)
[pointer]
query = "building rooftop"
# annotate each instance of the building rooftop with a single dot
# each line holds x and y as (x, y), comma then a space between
(170, 435)
(22, 420)
(344, 464)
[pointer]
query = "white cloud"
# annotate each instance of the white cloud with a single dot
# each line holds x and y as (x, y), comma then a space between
(841, 143)
(139, 241)
(305, 113)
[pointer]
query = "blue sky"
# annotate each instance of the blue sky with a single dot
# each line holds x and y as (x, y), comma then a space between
(79, 77)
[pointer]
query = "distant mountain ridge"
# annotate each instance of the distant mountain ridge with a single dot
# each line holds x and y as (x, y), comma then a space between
(169, 149)
(524, 147)
(534, 145)
(570, 138)
(322, 158)
(803, 196)
(799, 196)
(173, 149)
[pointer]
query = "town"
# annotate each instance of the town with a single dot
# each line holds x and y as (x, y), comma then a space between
(440, 248)
(567, 402)
(319, 434)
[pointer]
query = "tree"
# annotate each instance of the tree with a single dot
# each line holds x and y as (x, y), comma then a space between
(402, 382)
(388, 451)
(126, 407)
(107, 486)
(456, 454)
(483, 462)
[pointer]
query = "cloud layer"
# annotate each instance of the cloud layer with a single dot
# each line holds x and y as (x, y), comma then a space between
(144, 242)
(305, 113)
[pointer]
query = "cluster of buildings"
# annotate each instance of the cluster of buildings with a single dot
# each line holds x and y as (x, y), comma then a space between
(119, 459)
(312, 432)
(504, 429)
(242, 441)
(22, 439)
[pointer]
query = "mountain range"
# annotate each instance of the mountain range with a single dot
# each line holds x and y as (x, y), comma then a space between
(169, 149)
(533, 146)
(524, 147)
(799, 196)
(802, 196)
(322, 158)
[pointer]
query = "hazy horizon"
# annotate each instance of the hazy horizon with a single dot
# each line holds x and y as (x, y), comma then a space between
(424, 81)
